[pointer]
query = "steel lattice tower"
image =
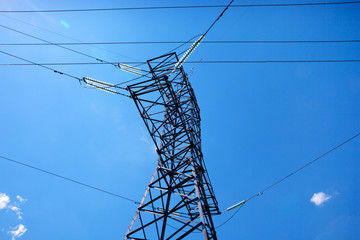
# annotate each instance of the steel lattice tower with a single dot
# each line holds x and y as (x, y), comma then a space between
(179, 199)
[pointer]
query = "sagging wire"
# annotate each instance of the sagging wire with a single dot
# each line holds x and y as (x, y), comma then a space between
(242, 203)
(40, 65)
(69, 49)
(89, 81)
(64, 36)
(68, 179)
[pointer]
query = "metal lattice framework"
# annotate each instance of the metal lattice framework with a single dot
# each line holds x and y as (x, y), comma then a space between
(179, 199)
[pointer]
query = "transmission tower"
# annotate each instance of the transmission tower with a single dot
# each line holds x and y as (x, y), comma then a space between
(179, 199)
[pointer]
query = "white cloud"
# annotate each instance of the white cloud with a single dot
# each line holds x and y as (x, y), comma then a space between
(18, 231)
(4, 203)
(17, 210)
(4, 200)
(319, 198)
(21, 199)
(14, 208)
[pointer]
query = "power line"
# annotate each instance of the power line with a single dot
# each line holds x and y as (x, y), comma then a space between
(179, 7)
(184, 43)
(69, 179)
(192, 48)
(51, 43)
(306, 165)
(62, 35)
(40, 65)
(195, 61)
(227, 220)
(56, 71)
(72, 50)
(289, 175)
(217, 19)
(180, 42)
(48, 42)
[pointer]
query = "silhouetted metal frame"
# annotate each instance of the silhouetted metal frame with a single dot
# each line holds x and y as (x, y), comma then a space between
(180, 190)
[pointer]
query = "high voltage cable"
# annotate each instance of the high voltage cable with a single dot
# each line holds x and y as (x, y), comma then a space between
(178, 7)
(289, 175)
(192, 48)
(227, 220)
(54, 70)
(306, 165)
(62, 35)
(72, 50)
(48, 42)
(40, 65)
(217, 19)
(69, 179)
(177, 42)
(197, 61)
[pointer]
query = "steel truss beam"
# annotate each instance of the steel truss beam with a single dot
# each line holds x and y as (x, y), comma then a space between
(179, 199)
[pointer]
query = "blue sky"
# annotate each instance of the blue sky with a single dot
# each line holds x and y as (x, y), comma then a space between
(259, 121)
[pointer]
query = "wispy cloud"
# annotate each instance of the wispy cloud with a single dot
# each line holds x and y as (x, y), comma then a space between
(18, 231)
(21, 199)
(5, 203)
(4, 200)
(319, 198)
(13, 206)
(17, 211)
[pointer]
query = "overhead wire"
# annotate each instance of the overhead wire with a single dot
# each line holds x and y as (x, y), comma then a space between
(289, 175)
(56, 71)
(142, 63)
(69, 49)
(68, 179)
(72, 50)
(40, 65)
(217, 19)
(51, 43)
(173, 7)
(227, 220)
(184, 42)
(147, 75)
(192, 48)
(195, 61)
(179, 7)
(64, 36)
(239, 17)
(301, 168)
(201, 37)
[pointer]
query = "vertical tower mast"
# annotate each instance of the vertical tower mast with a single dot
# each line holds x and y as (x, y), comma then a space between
(179, 199)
